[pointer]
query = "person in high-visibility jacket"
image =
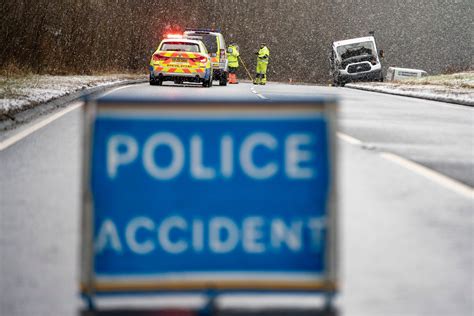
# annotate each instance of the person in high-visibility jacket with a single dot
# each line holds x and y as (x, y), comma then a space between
(263, 56)
(233, 58)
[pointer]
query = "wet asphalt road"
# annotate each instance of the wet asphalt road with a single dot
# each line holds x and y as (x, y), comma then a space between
(406, 242)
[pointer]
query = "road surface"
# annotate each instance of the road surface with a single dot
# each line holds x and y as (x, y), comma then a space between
(405, 174)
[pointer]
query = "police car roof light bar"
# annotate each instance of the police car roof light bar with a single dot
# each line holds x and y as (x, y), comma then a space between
(174, 36)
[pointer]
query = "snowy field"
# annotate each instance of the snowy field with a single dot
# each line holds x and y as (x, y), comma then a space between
(454, 88)
(20, 93)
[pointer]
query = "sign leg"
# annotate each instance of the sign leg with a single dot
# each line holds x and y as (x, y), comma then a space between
(329, 309)
(90, 303)
(210, 309)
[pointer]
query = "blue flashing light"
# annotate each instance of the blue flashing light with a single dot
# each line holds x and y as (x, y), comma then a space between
(202, 30)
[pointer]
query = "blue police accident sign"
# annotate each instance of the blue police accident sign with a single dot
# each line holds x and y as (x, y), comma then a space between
(189, 197)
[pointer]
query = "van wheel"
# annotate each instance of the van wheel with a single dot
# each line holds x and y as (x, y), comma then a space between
(223, 79)
(338, 83)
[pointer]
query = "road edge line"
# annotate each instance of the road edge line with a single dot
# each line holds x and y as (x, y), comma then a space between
(51, 106)
(30, 130)
(349, 139)
(49, 118)
(430, 174)
(409, 95)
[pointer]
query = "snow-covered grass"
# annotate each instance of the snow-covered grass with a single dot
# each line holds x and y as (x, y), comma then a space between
(454, 88)
(18, 93)
(457, 80)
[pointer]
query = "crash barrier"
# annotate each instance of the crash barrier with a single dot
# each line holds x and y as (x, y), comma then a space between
(209, 197)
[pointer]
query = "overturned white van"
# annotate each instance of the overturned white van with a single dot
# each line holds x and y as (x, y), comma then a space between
(355, 59)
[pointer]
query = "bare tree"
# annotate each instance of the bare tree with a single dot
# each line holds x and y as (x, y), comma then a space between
(93, 36)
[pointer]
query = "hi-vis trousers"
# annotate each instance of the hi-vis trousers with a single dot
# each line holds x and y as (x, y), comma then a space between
(261, 77)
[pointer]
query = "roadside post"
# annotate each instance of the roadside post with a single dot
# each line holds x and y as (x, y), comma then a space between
(206, 196)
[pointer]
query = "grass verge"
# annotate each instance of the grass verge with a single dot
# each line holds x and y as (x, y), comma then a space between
(20, 92)
(457, 80)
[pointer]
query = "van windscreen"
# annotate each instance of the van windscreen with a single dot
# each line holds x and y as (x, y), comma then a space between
(209, 40)
(356, 49)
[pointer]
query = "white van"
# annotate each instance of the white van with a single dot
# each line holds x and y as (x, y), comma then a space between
(214, 41)
(355, 59)
(396, 73)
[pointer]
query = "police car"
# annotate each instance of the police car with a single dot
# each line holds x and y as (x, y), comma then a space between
(215, 43)
(179, 59)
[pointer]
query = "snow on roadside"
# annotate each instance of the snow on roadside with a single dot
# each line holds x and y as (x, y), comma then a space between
(455, 88)
(20, 93)
(455, 80)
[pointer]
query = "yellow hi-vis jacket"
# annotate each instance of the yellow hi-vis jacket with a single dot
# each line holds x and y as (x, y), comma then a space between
(233, 56)
(263, 54)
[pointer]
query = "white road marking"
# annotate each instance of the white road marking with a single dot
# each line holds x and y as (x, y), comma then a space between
(113, 90)
(434, 176)
(428, 173)
(261, 96)
(349, 139)
(28, 131)
(440, 103)
(24, 133)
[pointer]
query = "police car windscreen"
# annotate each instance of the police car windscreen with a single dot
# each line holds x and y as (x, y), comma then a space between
(356, 49)
(180, 47)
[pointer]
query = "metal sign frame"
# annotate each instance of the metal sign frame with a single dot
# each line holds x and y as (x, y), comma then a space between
(90, 286)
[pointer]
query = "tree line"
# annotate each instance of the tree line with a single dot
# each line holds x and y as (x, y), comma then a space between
(84, 36)
(100, 36)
